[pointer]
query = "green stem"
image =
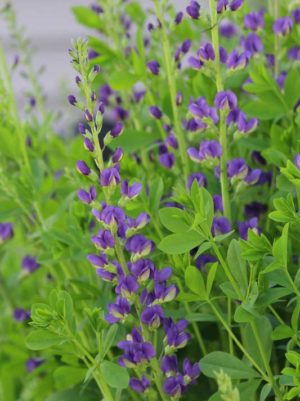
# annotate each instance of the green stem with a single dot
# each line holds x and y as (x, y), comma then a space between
(223, 129)
(236, 340)
(197, 331)
(6, 79)
(265, 360)
(170, 70)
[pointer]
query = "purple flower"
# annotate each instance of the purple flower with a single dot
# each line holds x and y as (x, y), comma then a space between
(21, 314)
(153, 67)
(88, 116)
(227, 29)
(218, 203)
(118, 155)
(236, 4)
(193, 9)
(120, 113)
(132, 191)
(138, 245)
(30, 264)
(96, 8)
(105, 93)
(136, 351)
(103, 240)
(255, 209)
(139, 385)
(251, 224)
(178, 18)
(294, 53)
(222, 6)
(110, 215)
(255, 20)
(171, 141)
(206, 52)
(33, 363)
(127, 287)
(191, 371)
(203, 260)
(88, 144)
(163, 293)
(117, 130)
(92, 54)
(225, 100)
(142, 269)
(141, 221)
(283, 26)
(186, 45)
(87, 196)
(169, 364)
(296, 15)
(199, 177)
(223, 55)
(258, 158)
(6, 231)
(155, 112)
(236, 61)
(233, 116)
(208, 151)
(201, 109)
(72, 100)
(220, 226)
(105, 274)
(110, 176)
(167, 159)
(118, 311)
(252, 44)
(246, 126)
(175, 334)
(174, 386)
(83, 168)
(281, 79)
(152, 316)
(237, 168)
(98, 260)
(297, 161)
(253, 176)
(163, 274)
(195, 63)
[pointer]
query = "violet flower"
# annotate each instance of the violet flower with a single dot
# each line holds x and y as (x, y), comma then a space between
(83, 168)
(255, 20)
(98, 260)
(252, 44)
(296, 15)
(236, 61)
(243, 227)
(169, 364)
(206, 52)
(152, 316)
(117, 130)
(103, 240)
(138, 245)
(191, 371)
(175, 333)
(155, 112)
(117, 155)
(193, 9)
(6, 232)
(222, 6)
(141, 221)
(142, 269)
(283, 26)
(179, 17)
(297, 161)
(30, 264)
(237, 168)
(127, 287)
(195, 63)
(220, 225)
(87, 196)
(153, 67)
(199, 177)
(225, 100)
(33, 363)
(139, 385)
(236, 4)
(294, 53)
(227, 29)
(118, 311)
(246, 126)
(110, 176)
(174, 386)
(130, 192)
(208, 151)
(21, 314)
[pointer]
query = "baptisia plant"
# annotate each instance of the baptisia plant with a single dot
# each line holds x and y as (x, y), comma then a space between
(162, 258)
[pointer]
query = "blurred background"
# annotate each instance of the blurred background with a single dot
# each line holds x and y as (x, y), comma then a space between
(50, 26)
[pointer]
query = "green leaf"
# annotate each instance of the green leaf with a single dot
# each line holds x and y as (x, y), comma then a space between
(42, 339)
(246, 390)
(114, 375)
(109, 339)
(237, 265)
(122, 80)
(231, 365)
(86, 16)
(68, 376)
(211, 277)
(281, 332)
(292, 87)
(195, 282)
(176, 244)
(136, 12)
(280, 251)
(265, 391)
(174, 219)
